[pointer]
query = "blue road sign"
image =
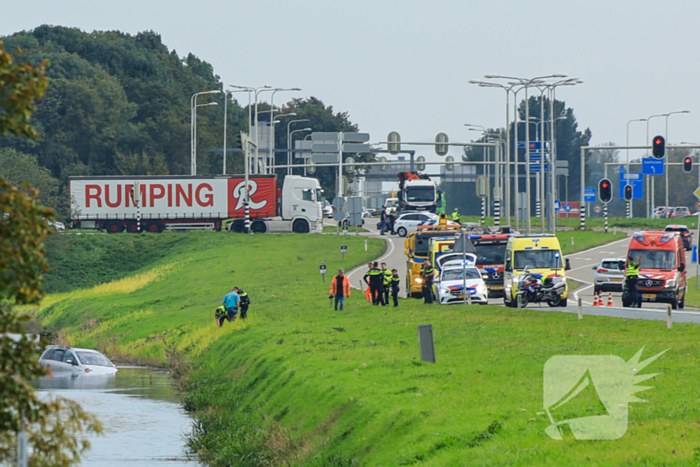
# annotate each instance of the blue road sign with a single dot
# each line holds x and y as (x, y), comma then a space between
(567, 207)
(589, 195)
(534, 144)
(557, 205)
(537, 156)
(652, 166)
(695, 254)
(536, 167)
(636, 180)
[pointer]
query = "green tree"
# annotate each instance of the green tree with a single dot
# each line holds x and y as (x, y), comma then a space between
(52, 427)
(19, 168)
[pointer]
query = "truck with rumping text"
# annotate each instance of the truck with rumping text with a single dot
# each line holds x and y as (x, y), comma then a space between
(178, 202)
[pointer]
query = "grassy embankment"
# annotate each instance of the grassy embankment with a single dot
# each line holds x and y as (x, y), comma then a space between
(300, 382)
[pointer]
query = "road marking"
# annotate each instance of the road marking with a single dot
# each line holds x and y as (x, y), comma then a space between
(607, 245)
(390, 250)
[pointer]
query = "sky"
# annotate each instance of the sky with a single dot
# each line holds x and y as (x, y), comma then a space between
(405, 65)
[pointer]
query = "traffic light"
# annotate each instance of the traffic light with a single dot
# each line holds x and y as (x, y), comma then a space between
(605, 190)
(687, 164)
(658, 147)
(628, 192)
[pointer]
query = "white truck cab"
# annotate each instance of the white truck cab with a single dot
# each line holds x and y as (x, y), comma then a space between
(301, 208)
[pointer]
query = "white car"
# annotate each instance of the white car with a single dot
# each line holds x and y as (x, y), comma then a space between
(451, 285)
(69, 360)
(409, 222)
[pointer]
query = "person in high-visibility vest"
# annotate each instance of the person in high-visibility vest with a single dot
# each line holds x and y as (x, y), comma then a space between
(631, 278)
(244, 302)
(386, 276)
(395, 285)
(455, 215)
(340, 289)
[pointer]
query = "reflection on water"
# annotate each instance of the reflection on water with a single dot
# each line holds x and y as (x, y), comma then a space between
(143, 421)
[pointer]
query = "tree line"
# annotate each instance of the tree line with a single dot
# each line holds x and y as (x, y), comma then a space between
(119, 104)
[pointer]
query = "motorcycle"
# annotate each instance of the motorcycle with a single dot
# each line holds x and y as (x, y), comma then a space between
(532, 288)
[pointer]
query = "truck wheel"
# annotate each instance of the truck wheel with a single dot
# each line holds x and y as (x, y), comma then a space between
(237, 226)
(681, 302)
(133, 228)
(115, 227)
(258, 227)
(300, 226)
(154, 227)
(674, 303)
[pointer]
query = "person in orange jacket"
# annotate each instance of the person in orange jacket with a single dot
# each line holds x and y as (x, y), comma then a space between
(340, 288)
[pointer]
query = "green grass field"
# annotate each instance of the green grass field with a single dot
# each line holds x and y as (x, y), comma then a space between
(300, 384)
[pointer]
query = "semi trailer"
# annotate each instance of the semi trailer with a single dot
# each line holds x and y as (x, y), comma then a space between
(178, 202)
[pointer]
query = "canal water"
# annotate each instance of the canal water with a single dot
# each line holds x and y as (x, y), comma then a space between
(142, 419)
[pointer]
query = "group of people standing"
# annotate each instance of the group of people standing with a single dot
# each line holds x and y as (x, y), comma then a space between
(237, 299)
(382, 283)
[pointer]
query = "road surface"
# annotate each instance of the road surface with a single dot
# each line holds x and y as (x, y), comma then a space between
(582, 264)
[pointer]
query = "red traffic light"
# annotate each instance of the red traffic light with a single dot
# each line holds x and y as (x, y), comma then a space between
(688, 164)
(606, 184)
(658, 148)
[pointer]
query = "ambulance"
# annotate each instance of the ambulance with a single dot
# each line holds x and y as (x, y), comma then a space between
(662, 276)
(540, 254)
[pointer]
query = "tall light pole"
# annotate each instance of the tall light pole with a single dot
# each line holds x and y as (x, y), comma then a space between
(271, 146)
(270, 137)
(194, 161)
(193, 128)
(527, 83)
(651, 178)
(291, 137)
(669, 154)
(289, 144)
(508, 90)
(226, 96)
(487, 168)
(627, 165)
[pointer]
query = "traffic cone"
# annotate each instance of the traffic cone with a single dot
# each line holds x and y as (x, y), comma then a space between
(596, 299)
(610, 303)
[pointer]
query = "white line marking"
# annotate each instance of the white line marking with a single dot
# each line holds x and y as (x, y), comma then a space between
(390, 250)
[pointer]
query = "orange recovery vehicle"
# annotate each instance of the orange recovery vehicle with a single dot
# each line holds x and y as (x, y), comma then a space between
(662, 276)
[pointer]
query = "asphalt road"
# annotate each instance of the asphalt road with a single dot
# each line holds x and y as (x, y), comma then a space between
(582, 264)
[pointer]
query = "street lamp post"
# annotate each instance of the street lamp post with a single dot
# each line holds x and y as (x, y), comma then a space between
(271, 146)
(193, 128)
(652, 182)
(291, 137)
(669, 154)
(226, 96)
(289, 144)
(525, 82)
(627, 165)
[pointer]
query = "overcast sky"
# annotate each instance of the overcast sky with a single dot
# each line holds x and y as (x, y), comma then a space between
(405, 65)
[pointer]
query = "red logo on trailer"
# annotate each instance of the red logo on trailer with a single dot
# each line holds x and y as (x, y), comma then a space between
(262, 197)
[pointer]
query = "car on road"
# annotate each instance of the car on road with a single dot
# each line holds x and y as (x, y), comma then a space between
(677, 212)
(609, 275)
(684, 231)
(327, 209)
(450, 286)
(72, 360)
(660, 212)
(409, 221)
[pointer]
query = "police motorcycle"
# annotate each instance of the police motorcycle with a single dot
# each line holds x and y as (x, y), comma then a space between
(533, 288)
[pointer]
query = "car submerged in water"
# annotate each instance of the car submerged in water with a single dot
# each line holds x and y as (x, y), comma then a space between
(61, 360)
